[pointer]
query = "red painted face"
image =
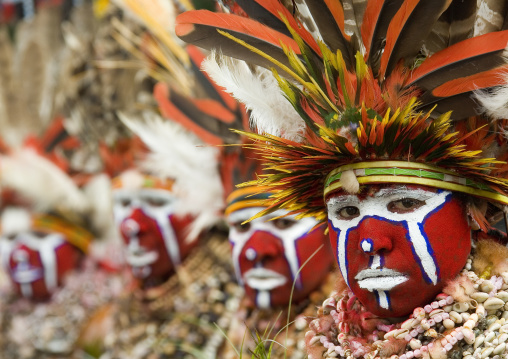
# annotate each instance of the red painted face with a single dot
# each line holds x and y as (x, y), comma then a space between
(39, 262)
(268, 254)
(399, 245)
(153, 235)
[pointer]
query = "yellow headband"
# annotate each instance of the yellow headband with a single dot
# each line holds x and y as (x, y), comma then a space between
(410, 173)
(74, 234)
(246, 197)
(148, 182)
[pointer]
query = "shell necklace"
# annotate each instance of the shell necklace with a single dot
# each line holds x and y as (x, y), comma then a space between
(445, 328)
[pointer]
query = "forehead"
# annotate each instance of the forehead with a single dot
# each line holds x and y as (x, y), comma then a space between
(247, 213)
(383, 191)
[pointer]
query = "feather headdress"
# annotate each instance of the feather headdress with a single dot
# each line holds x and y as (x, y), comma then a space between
(375, 105)
(177, 155)
(194, 116)
(37, 177)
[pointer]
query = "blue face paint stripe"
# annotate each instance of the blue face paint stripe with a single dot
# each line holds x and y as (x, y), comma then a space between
(382, 261)
(371, 259)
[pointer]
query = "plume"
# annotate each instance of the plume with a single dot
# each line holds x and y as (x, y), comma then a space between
(41, 182)
(178, 154)
(269, 111)
(494, 102)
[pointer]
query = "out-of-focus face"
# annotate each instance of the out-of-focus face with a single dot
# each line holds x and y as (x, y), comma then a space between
(155, 238)
(38, 263)
(397, 246)
(268, 255)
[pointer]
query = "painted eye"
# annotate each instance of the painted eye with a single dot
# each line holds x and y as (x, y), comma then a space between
(11, 236)
(348, 212)
(283, 223)
(125, 202)
(405, 205)
(39, 234)
(156, 202)
(239, 227)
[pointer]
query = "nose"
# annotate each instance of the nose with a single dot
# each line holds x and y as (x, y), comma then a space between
(130, 227)
(20, 256)
(134, 224)
(263, 246)
(373, 239)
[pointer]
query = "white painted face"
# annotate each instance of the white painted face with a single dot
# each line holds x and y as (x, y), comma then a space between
(388, 244)
(268, 253)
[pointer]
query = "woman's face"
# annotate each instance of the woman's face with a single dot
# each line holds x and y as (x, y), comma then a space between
(397, 246)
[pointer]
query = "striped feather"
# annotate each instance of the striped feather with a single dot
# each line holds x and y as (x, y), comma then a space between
(454, 25)
(200, 28)
(377, 17)
(406, 32)
(331, 26)
(461, 60)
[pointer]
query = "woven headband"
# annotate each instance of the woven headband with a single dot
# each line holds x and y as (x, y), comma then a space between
(246, 197)
(410, 173)
(75, 235)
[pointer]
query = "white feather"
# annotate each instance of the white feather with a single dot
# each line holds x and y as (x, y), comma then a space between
(494, 103)
(98, 193)
(38, 180)
(179, 155)
(271, 112)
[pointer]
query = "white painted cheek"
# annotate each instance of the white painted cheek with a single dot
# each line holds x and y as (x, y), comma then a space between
(161, 216)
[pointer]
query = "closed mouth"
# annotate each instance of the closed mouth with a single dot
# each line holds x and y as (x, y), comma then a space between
(142, 259)
(26, 275)
(263, 279)
(380, 279)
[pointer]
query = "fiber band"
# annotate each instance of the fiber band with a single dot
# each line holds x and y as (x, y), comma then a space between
(411, 173)
(247, 197)
(75, 235)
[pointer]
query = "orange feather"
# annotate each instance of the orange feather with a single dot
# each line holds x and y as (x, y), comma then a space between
(462, 51)
(169, 110)
(477, 81)
(186, 22)
(198, 57)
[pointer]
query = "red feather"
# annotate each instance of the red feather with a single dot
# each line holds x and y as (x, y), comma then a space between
(465, 58)
(477, 81)
(198, 57)
(169, 110)
(406, 32)
(375, 23)
(214, 109)
(277, 9)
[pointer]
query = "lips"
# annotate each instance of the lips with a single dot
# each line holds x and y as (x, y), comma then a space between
(380, 279)
(141, 259)
(263, 279)
(26, 275)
